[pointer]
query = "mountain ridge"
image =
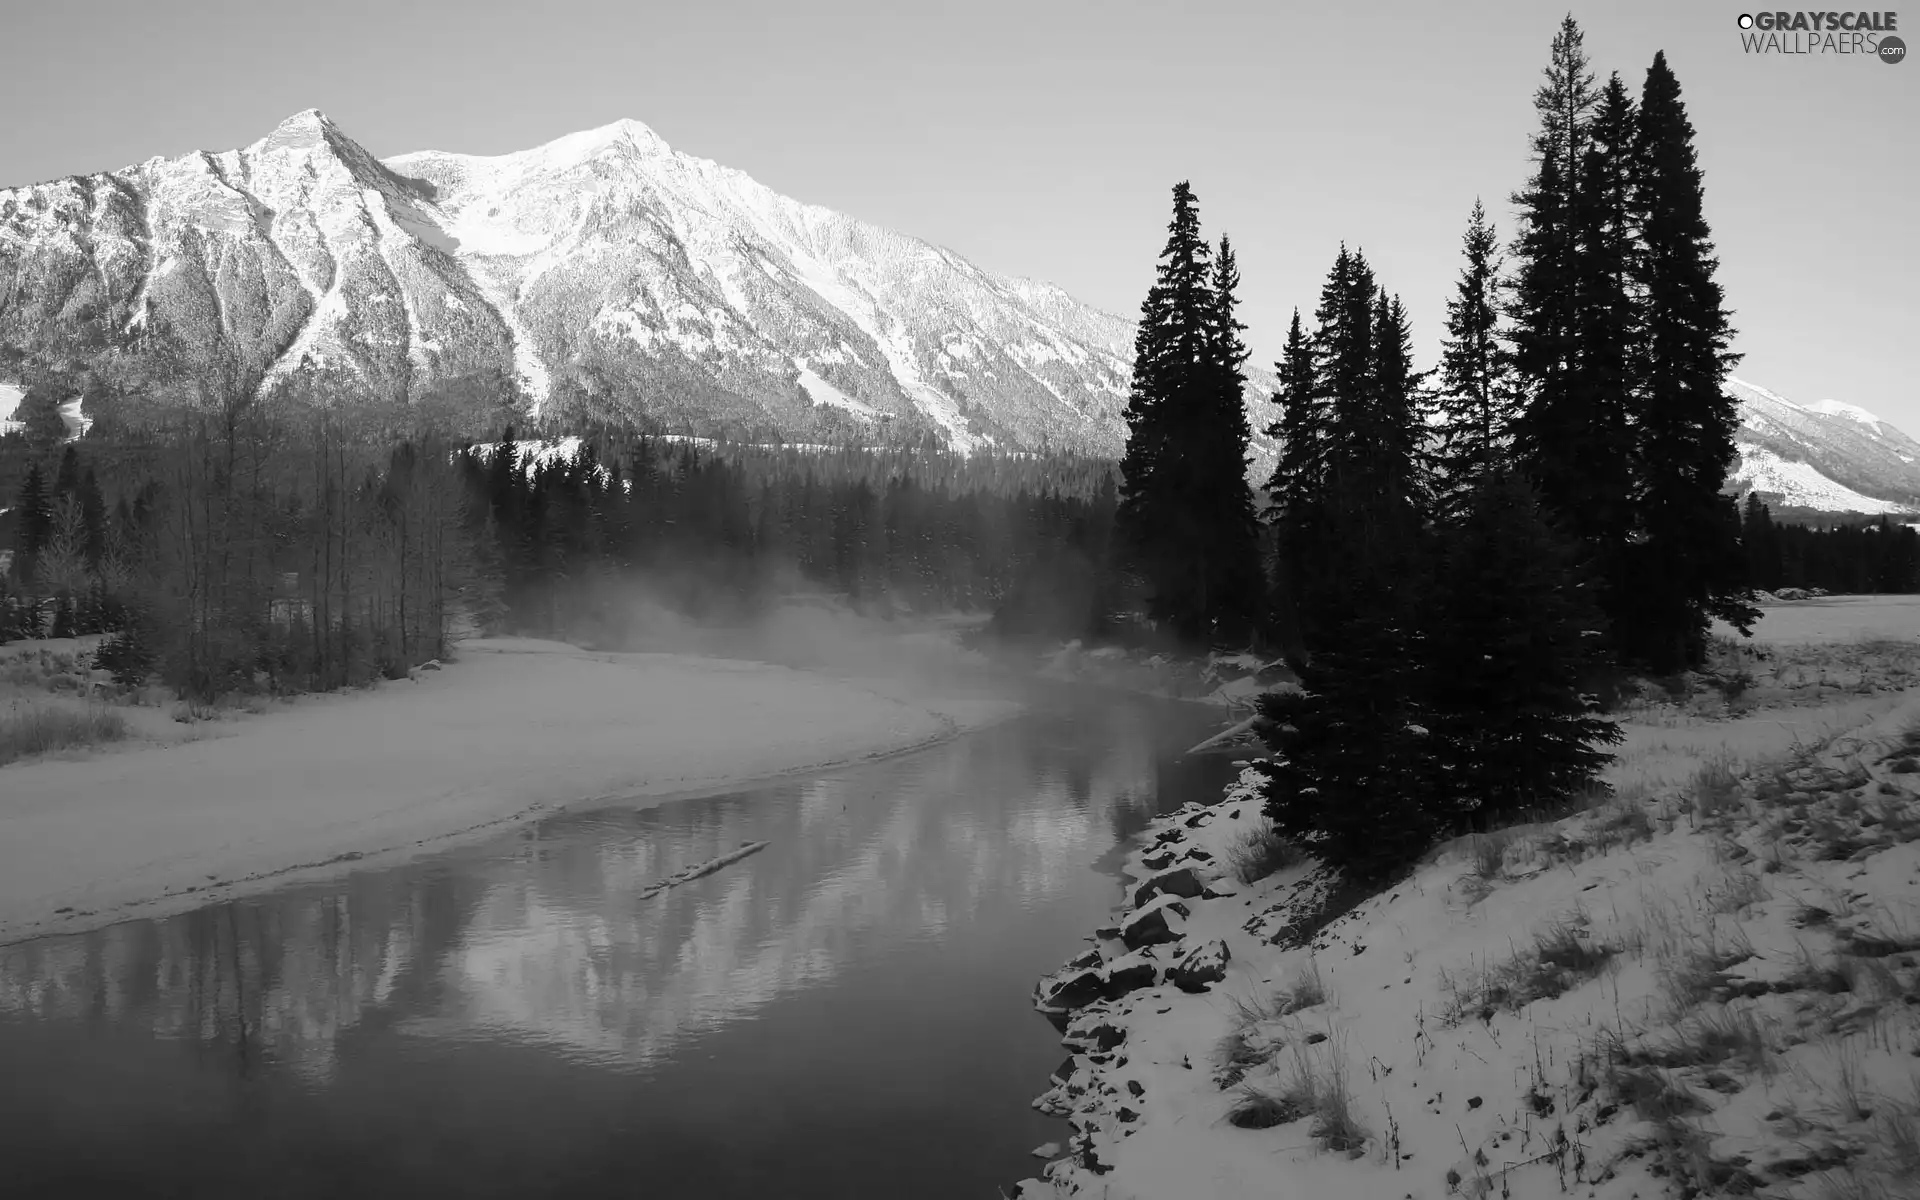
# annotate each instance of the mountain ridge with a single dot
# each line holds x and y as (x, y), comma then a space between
(603, 270)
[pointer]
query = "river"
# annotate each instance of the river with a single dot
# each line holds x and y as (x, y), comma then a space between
(843, 1014)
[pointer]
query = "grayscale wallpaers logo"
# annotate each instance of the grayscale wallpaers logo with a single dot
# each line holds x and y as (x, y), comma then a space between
(1864, 33)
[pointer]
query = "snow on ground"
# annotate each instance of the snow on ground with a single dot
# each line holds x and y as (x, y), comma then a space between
(513, 729)
(1833, 619)
(1709, 984)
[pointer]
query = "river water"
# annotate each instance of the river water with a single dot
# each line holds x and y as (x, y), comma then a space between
(844, 1014)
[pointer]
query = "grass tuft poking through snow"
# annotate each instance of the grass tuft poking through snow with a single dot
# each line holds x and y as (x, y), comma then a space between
(1261, 851)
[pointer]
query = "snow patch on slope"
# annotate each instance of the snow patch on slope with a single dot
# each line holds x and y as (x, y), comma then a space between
(1836, 408)
(822, 392)
(1799, 484)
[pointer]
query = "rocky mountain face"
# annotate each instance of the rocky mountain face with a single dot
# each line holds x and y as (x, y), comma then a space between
(605, 272)
(1826, 455)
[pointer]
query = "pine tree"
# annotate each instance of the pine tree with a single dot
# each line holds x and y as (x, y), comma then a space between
(1606, 330)
(1761, 543)
(93, 511)
(1186, 532)
(66, 480)
(1300, 429)
(1476, 397)
(1519, 641)
(1689, 568)
(1553, 436)
(1395, 411)
(35, 523)
(1294, 489)
(1225, 542)
(1352, 768)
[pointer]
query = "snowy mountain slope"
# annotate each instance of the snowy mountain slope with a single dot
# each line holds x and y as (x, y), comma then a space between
(1826, 455)
(604, 271)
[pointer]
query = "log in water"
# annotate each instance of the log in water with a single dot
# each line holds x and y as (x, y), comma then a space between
(705, 868)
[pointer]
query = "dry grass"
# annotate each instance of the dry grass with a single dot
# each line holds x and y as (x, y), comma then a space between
(38, 729)
(1715, 789)
(1714, 1035)
(1316, 1090)
(1562, 957)
(1261, 851)
(1305, 990)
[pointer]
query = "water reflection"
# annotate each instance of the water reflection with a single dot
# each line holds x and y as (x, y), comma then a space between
(954, 875)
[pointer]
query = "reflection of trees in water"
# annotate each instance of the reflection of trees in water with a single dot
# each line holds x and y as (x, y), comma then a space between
(544, 936)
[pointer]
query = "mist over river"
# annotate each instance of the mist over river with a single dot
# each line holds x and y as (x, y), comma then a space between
(845, 1013)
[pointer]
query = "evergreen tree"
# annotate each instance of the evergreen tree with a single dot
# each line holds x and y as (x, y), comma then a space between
(1689, 568)
(66, 480)
(1184, 515)
(1352, 773)
(1554, 437)
(35, 523)
(1395, 411)
(1337, 411)
(93, 512)
(1512, 725)
(1220, 510)
(1300, 429)
(1294, 489)
(1476, 394)
(1602, 494)
(1761, 544)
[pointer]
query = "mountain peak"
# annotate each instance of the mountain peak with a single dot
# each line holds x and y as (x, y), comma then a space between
(626, 133)
(304, 129)
(1837, 408)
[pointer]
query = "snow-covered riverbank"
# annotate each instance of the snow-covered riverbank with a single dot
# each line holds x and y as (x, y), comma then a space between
(1710, 982)
(512, 730)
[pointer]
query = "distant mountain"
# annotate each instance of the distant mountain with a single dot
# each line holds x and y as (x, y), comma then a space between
(609, 274)
(1827, 456)
(604, 271)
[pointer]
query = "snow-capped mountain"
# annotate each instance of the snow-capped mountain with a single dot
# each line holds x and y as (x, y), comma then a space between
(605, 271)
(1826, 455)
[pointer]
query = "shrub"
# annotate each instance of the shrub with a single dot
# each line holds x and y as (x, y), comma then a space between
(1260, 852)
(25, 731)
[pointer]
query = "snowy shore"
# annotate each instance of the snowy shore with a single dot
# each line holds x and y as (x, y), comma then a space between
(1708, 983)
(513, 730)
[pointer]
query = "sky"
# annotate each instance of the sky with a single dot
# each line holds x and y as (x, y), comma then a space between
(1043, 137)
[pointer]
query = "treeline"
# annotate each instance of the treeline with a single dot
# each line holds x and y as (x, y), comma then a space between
(1456, 561)
(1871, 556)
(242, 544)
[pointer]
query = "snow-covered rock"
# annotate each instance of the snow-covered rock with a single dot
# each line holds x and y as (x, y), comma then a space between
(1160, 920)
(1202, 965)
(1178, 882)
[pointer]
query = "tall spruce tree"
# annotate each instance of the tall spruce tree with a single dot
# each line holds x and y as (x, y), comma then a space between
(1220, 510)
(1555, 436)
(1606, 329)
(1689, 568)
(1476, 399)
(1351, 773)
(1170, 353)
(1185, 518)
(35, 523)
(1294, 489)
(1546, 252)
